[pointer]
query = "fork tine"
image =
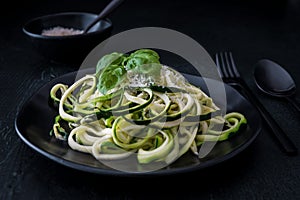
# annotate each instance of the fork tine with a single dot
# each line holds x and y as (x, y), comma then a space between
(229, 65)
(218, 65)
(223, 66)
(233, 66)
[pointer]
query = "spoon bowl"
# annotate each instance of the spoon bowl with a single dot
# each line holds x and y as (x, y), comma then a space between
(274, 80)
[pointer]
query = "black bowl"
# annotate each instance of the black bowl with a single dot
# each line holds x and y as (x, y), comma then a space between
(71, 48)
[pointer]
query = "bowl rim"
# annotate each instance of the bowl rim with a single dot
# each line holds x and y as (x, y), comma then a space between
(34, 35)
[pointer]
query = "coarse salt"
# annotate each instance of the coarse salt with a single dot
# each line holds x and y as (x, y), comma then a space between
(61, 31)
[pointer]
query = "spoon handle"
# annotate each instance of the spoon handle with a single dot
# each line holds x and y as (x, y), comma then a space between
(106, 11)
(283, 140)
(294, 103)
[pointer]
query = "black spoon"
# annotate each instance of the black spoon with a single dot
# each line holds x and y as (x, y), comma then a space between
(274, 80)
(106, 11)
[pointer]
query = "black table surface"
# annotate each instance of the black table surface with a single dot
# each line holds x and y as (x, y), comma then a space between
(252, 30)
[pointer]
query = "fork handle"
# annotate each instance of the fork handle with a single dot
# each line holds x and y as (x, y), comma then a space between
(283, 140)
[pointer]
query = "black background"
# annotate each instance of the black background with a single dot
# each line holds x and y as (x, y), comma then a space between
(252, 30)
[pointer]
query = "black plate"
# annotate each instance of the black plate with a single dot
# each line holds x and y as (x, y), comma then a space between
(35, 120)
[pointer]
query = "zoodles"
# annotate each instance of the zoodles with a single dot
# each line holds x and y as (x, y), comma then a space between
(134, 105)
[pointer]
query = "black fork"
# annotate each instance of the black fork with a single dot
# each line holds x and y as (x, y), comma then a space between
(227, 67)
(230, 75)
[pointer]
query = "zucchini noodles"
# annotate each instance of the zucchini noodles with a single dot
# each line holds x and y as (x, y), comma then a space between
(134, 106)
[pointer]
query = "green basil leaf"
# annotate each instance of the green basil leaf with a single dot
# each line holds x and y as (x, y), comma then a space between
(109, 59)
(142, 57)
(110, 77)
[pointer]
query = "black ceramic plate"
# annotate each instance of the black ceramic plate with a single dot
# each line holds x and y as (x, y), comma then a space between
(35, 120)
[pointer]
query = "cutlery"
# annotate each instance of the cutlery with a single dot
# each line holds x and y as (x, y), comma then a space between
(231, 76)
(274, 80)
(106, 11)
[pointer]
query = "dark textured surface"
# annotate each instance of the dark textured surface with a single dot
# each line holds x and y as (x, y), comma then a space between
(250, 29)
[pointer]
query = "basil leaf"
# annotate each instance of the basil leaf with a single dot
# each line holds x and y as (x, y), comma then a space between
(144, 61)
(110, 71)
(109, 59)
(110, 77)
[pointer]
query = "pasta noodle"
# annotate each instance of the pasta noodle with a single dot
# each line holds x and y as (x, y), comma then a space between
(156, 117)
